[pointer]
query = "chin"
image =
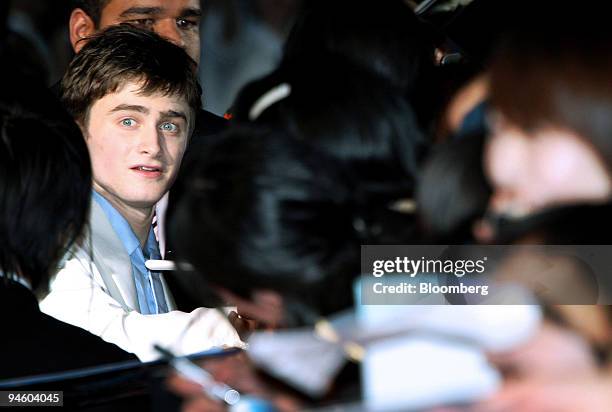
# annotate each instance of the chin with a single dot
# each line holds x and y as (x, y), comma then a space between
(142, 202)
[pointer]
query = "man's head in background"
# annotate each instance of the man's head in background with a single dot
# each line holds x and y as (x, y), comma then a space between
(135, 96)
(552, 147)
(175, 20)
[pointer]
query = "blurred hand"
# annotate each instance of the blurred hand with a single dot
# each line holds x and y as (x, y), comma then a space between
(195, 400)
(576, 395)
(553, 352)
(265, 308)
(237, 371)
(243, 325)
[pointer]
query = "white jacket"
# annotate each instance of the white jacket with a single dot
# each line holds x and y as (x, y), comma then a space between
(95, 290)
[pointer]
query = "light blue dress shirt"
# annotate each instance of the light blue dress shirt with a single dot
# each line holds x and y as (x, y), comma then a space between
(149, 288)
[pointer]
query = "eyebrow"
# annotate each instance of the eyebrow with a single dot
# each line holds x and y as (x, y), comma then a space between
(142, 109)
(154, 11)
(140, 11)
(191, 12)
(172, 113)
(130, 107)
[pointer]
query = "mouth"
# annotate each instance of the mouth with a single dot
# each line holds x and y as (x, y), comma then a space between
(148, 171)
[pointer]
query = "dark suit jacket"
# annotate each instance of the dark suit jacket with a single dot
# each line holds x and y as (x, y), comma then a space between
(34, 343)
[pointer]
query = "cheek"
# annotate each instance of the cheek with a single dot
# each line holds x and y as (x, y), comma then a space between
(174, 156)
(105, 153)
(554, 165)
(175, 150)
(192, 45)
(567, 169)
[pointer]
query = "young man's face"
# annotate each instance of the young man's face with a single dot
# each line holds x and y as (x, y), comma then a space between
(176, 20)
(136, 144)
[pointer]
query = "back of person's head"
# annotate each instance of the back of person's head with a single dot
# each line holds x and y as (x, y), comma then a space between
(557, 74)
(267, 210)
(45, 182)
(359, 120)
(288, 207)
(363, 123)
(122, 54)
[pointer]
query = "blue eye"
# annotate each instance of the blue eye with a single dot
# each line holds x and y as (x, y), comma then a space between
(169, 127)
(128, 122)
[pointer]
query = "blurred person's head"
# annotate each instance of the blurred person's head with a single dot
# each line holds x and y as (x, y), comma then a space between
(347, 111)
(178, 21)
(352, 115)
(362, 122)
(45, 183)
(135, 96)
(267, 212)
(287, 210)
(552, 100)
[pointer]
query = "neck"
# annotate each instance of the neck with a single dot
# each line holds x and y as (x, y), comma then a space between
(139, 218)
(140, 222)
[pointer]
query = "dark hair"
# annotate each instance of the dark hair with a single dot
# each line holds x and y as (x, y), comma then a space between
(558, 77)
(287, 206)
(45, 182)
(358, 119)
(121, 54)
(93, 8)
(265, 210)
(453, 190)
(363, 123)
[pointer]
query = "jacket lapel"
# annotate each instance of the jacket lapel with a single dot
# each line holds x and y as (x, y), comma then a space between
(112, 260)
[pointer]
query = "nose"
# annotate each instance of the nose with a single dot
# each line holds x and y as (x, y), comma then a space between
(167, 29)
(149, 143)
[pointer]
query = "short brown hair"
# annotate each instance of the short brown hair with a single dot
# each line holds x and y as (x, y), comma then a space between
(122, 54)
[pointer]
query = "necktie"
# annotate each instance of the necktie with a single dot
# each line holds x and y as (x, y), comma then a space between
(158, 290)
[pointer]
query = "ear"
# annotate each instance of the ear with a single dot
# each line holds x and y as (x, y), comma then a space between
(80, 27)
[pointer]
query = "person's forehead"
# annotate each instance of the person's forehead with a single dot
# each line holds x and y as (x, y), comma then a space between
(115, 8)
(132, 95)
